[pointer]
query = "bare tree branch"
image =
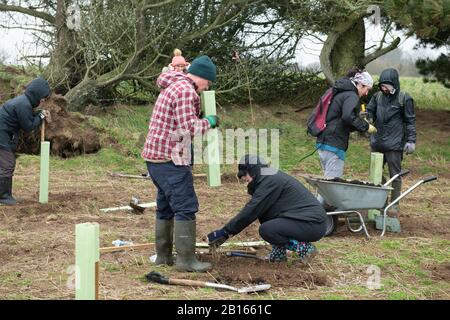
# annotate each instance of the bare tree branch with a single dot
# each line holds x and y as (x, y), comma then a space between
(30, 12)
(369, 58)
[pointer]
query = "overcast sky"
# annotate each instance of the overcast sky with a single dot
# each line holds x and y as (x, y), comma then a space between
(14, 43)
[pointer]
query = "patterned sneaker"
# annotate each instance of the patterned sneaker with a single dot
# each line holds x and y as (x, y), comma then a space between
(305, 250)
(278, 254)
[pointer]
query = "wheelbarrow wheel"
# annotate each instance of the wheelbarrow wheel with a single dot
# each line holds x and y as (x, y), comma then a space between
(332, 222)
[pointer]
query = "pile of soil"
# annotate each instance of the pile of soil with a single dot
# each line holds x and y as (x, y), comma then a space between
(242, 272)
(358, 182)
(9, 85)
(69, 133)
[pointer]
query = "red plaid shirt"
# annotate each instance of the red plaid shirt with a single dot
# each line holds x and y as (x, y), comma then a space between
(174, 120)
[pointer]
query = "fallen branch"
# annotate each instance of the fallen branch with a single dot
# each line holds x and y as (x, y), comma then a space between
(142, 205)
(235, 244)
(304, 108)
(144, 177)
(143, 246)
(127, 248)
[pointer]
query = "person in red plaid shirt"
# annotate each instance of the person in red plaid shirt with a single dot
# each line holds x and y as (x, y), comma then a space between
(175, 120)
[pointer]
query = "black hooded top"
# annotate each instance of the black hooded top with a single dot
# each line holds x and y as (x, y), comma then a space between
(394, 119)
(275, 194)
(343, 116)
(17, 113)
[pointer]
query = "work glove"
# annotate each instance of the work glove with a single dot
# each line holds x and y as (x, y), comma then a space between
(213, 121)
(409, 148)
(371, 129)
(217, 238)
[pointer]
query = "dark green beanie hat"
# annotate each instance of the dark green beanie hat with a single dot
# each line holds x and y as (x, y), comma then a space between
(203, 67)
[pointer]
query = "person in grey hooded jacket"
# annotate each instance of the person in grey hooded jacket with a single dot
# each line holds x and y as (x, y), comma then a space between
(392, 112)
(17, 114)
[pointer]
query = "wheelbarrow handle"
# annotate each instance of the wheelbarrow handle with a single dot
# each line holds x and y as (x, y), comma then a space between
(429, 179)
(403, 173)
(398, 175)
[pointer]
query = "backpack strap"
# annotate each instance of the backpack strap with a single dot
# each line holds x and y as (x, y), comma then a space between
(401, 99)
(378, 96)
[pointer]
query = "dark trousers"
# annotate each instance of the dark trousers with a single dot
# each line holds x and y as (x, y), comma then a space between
(394, 162)
(280, 230)
(176, 196)
(7, 163)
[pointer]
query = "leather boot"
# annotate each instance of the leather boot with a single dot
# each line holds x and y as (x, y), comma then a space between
(185, 232)
(6, 191)
(164, 241)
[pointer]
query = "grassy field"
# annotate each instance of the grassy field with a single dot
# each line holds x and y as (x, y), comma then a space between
(37, 242)
(432, 96)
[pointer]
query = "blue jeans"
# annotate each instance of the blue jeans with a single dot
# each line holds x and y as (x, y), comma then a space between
(176, 195)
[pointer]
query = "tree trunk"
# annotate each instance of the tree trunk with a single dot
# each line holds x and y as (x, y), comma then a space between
(83, 94)
(349, 50)
(343, 49)
(63, 72)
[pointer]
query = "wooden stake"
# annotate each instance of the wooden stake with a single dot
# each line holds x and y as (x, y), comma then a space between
(43, 131)
(87, 256)
(212, 136)
(376, 176)
(97, 277)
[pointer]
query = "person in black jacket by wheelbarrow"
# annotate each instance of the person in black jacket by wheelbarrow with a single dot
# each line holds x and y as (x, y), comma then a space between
(290, 216)
(392, 112)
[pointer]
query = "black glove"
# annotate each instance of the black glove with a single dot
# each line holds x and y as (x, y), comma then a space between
(217, 238)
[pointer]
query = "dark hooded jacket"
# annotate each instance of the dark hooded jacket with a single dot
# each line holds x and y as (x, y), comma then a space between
(17, 113)
(394, 119)
(276, 195)
(343, 116)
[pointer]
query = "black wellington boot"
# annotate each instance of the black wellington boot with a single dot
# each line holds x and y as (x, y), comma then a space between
(185, 232)
(6, 191)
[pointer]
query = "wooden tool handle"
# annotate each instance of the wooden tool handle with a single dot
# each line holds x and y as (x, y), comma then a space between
(43, 130)
(184, 282)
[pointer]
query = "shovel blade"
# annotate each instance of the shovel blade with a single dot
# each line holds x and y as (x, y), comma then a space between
(257, 288)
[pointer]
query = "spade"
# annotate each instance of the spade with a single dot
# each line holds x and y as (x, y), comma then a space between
(159, 278)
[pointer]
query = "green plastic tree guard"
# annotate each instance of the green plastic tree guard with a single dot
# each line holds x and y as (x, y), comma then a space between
(87, 256)
(44, 173)
(212, 137)
(376, 175)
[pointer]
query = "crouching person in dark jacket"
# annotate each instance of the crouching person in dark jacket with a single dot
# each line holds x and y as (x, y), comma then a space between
(290, 216)
(18, 114)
